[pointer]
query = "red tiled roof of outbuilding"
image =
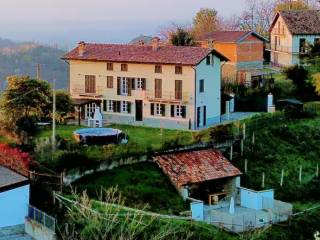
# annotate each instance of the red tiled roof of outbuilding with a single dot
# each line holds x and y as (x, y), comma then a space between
(180, 55)
(229, 36)
(196, 166)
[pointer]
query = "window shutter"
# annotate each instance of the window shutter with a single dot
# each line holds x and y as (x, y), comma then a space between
(143, 83)
(129, 82)
(204, 115)
(104, 105)
(129, 107)
(152, 108)
(172, 110)
(118, 106)
(133, 83)
(163, 110)
(119, 86)
(114, 106)
(184, 111)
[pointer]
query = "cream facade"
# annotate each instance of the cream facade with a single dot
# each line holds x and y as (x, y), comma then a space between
(190, 100)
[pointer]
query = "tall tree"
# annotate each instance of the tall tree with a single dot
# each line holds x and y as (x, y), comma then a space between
(206, 20)
(181, 37)
(293, 5)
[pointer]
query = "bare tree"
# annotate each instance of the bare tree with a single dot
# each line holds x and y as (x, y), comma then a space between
(257, 16)
(205, 21)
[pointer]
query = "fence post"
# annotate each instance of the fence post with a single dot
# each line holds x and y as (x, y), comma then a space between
(317, 171)
(253, 138)
(245, 165)
(242, 147)
(300, 174)
(263, 179)
(231, 152)
(244, 131)
(282, 176)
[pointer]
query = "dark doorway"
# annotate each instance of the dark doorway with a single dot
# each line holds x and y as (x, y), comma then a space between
(139, 110)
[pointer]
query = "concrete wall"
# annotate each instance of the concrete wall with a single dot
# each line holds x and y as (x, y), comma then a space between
(254, 199)
(197, 211)
(14, 206)
(211, 97)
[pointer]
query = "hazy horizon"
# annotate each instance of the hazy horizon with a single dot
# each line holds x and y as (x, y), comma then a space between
(66, 22)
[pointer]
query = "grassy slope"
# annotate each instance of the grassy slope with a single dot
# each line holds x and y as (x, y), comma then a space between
(140, 184)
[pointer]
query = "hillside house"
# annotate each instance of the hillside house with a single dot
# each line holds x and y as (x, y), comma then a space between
(243, 48)
(157, 86)
(212, 184)
(291, 34)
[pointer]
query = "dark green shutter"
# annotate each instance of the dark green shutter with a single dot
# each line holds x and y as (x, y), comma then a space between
(133, 83)
(129, 107)
(119, 86)
(152, 108)
(104, 105)
(114, 106)
(129, 82)
(163, 110)
(184, 111)
(143, 83)
(172, 110)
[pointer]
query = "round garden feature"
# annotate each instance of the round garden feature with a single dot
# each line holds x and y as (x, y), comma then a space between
(100, 136)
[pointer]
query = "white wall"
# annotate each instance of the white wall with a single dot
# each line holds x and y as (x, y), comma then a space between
(254, 199)
(14, 206)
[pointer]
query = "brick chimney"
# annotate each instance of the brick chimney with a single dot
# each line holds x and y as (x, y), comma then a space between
(155, 43)
(81, 48)
(141, 42)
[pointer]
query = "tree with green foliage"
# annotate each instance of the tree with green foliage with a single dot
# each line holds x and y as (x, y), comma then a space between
(292, 5)
(24, 100)
(205, 21)
(64, 105)
(182, 37)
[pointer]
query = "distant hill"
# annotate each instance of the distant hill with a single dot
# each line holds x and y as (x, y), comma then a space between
(22, 59)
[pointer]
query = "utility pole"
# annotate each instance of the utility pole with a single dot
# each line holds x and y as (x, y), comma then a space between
(53, 116)
(38, 66)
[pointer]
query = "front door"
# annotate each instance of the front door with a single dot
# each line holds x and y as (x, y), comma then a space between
(139, 110)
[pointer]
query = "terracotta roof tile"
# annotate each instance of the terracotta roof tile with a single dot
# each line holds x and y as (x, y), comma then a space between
(225, 36)
(196, 166)
(141, 54)
(302, 21)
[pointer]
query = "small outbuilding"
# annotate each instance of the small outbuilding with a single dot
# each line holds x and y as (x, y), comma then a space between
(14, 198)
(204, 174)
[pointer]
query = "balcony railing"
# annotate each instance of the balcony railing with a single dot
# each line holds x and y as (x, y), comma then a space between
(80, 91)
(168, 96)
(286, 49)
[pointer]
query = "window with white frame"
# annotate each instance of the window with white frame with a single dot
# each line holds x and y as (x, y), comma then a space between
(110, 106)
(178, 111)
(124, 106)
(124, 86)
(139, 83)
(158, 109)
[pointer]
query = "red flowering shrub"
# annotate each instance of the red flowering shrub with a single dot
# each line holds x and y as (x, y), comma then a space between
(15, 159)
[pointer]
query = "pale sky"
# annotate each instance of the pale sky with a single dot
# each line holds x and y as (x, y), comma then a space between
(68, 21)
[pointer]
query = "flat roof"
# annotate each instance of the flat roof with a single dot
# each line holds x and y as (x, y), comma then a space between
(10, 179)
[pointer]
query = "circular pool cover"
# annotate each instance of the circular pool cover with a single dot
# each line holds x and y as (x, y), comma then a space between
(100, 136)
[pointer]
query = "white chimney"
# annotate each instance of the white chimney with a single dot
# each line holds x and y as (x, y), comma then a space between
(81, 48)
(155, 43)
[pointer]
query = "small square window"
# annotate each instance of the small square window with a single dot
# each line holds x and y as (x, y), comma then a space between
(109, 81)
(110, 66)
(124, 67)
(178, 69)
(124, 106)
(158, 69)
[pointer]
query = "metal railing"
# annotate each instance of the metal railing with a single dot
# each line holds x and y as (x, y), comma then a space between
(168, 96)
(286, 49)
(42, 218)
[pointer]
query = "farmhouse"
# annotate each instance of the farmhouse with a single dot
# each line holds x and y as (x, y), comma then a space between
(243, 48)
(152, 85)
(291, 35)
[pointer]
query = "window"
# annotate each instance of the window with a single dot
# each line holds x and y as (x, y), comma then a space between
(158, 109)
(124, 86)
(158, 69)
(302, 45)
(178, 111)
(201, 87)
(104, 105)
(141, 84)
(109, 81)
(90, 84)
(208, 60)
(110, 106)
(158, 88)
(316, 41)
(178, 69)
(124, 106)
(124, 67)
(116, 106)
(110, 66)
(178, 89)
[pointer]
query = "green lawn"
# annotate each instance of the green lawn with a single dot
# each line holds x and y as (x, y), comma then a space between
(141, 136)
(142, 185)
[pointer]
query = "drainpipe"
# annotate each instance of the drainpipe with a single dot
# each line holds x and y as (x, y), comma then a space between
(195, 97)
(223, 63)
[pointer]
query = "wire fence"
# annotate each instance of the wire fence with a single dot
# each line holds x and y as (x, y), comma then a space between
(42, 218)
